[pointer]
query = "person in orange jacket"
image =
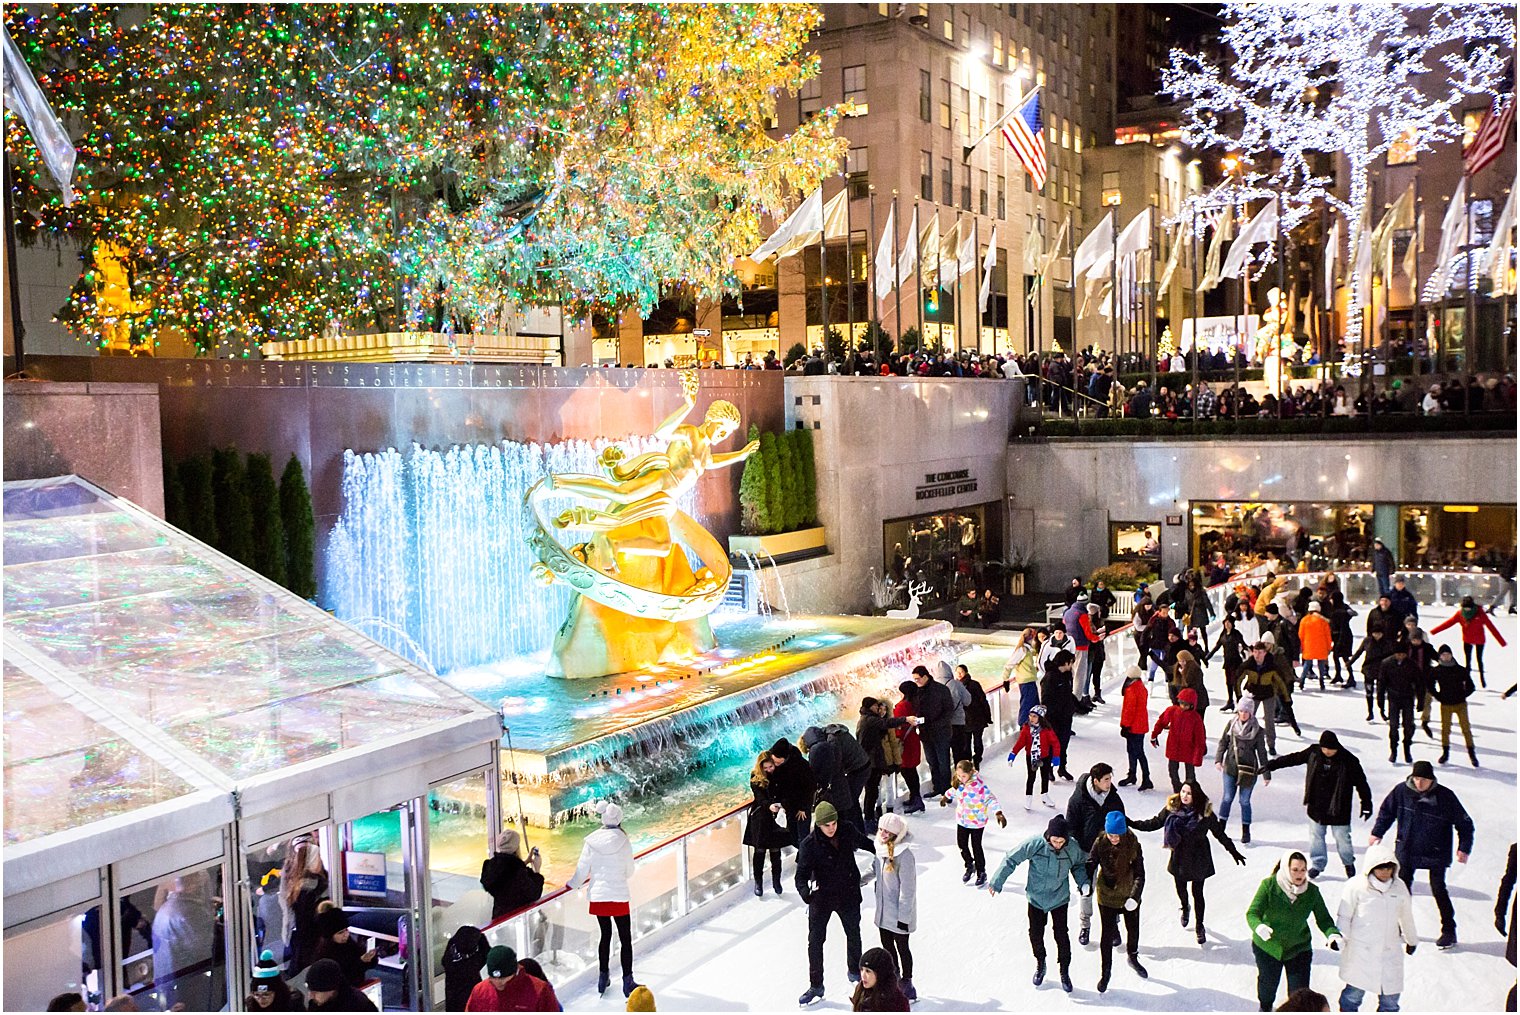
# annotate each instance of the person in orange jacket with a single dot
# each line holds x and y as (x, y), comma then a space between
(1186, 739)
(1134, 723)
(1473, 622)
(1315, 639)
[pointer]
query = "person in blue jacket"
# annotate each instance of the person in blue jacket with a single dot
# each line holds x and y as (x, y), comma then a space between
(1054, 860)
(1427, 813)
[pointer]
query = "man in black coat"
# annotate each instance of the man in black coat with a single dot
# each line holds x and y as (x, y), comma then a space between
(1382, 565)
(1331, 775)
(1403, 680)
(1402, 601)
(795, 786)
(829, 882)
(1427, 814)
(827, 763)
(1089, 806)
(935, 708)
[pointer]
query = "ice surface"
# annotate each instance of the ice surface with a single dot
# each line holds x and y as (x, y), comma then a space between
(971, 951)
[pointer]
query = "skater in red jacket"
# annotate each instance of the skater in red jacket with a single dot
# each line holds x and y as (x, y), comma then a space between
(1186, 740)
(1474, 622)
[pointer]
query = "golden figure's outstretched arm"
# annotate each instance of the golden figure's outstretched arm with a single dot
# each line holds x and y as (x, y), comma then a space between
(722, 460)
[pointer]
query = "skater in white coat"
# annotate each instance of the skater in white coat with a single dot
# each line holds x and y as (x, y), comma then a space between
(1376, 919)
(607, 865)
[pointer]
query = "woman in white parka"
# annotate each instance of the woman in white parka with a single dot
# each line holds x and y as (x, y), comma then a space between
(607, 863)
(1376, 919)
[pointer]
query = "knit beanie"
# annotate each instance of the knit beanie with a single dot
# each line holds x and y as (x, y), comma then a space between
(1327, 738)
(1248, 706)
(1115, 824)
(824, 813)
(642, 999)
(1423, 770)
(1058, 828)
(324, 974)
(265, 968)
(501, 961)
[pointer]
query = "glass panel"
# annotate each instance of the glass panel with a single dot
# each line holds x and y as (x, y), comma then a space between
(561, 934)
(656, 890)
(61, 956)
(284, 912)
(947, 553)
(1327, 535)
(377, 898)
(714, 859)
(184, 963)
(458, 845)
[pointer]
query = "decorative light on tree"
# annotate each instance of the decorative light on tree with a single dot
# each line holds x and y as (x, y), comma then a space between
(267, 169)
(1302, 83)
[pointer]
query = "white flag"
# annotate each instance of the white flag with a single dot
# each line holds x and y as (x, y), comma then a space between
(929, 240)
(1055, 249)
(1411, 255)
(1094, 257)
(966, 256)
(989, 260)
(1498, 250)
(1332, 258)
(885, 276)
(1261, 229)
(1136, 236)
(907, 261)
(1033, 250)
(808, 218)
(1171, 262)
(1224, 228)
(22, 94)
(1400, 215)
(1363, 266)
(1451, 242)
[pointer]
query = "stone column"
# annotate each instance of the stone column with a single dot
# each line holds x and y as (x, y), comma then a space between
(630, 335)
(578, 342)
(791, 289)
(710, 318)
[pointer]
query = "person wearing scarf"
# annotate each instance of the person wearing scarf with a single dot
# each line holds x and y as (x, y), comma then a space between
(1241, 756)
(1044, 750)
(1186, 821)
(896, 895)
(1279, 920)
(1475, 629)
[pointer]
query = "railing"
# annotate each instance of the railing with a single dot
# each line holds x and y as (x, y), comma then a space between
(1430, 588)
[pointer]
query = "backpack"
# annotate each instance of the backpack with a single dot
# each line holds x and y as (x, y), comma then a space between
(851, 755)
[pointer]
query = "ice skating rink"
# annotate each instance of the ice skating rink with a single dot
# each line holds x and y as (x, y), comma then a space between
(971, 950)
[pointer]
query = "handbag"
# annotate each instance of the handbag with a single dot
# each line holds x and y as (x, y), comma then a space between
(1245, 775)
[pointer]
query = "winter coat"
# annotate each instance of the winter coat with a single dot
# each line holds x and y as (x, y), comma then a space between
(1085, 814)
(1158, 633)
(959, 696)
(1340, 628)
(1452, 684)
(349, 999)
(1328, 783)
(1268, 593)
(607, 862)
(974, 802)
(1134, 715)
(463, 960)
(1506, 894)
(1426, 821)
(912, 750)
(1050, 871)
(184, 929)
(1050, 743)
(870, 731)
(1050, 650)
(1382, 562)
(1192, 858)
(1374, 651)
(1232, 644)
(1250, 749)
(935, 707)
(1188, 675)
(1473, 629)
(1117, 870)
(824, 759)
(979, 711)
(1315, 639)
(851, 755)
(1376, 918)
(761, 830)
(1404, 603)
(1072, 621)
(1389, 620)
(896, 891)
(826, 871)
(1262, 681)
(1187, 740)
(793, 779)
(1288, 919)
(1057, 696)
(511, 882)
(1401, 679)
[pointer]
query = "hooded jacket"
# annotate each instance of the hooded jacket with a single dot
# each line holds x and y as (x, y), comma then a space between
(1426, 821)
(607, 862)
(1117, 870)
(1085, 813)
(1187, 740)
(871, 729)
(1377, 920)
(912, 750)
(1134, 714)
(959, 696)
(896, 890)
(1276, 905)
(824, 759)
(1050, 871)
(1315, 639)
(1328, 783)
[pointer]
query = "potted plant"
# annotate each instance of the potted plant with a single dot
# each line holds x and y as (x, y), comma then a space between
(778, 498)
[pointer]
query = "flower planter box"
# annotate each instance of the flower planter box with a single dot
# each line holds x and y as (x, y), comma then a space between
(781, 544)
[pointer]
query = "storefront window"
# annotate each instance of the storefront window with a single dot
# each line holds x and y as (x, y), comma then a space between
(183, 964)
(61, 955)
(1246, 532)
(1439, 536)
(948, 553)
(1135, 543)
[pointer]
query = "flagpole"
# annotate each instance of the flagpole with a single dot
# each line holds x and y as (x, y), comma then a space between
(875, 311)
(939, 281)
(1239, 324)
(1197, 313)
(1284, 312)
(1470, 310)
(955, 306)
(823, 280)
(849, 268)
(976, 245)
(1113, 286)
(1417, 318)
(1019, 102)
(896, 285)
(918, 270)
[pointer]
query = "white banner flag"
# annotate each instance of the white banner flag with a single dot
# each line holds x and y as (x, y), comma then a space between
(1094, 257)
(808, 218)
(23, 95)
(1261, 229)
(989, 260)
(907, 261)
(1451, 241)
(886, 277)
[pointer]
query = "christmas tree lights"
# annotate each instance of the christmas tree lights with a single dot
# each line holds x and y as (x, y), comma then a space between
(269, 169)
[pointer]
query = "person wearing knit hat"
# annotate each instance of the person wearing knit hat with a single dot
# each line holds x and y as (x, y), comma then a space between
(829, 883)
(1043, 749)
(896, 889)
(1331, 775)
(879, 988)
(329, 991)
(606, 864)
(337, 943)
(512, 881)
(1134, 724)
(1241, 757)
(1055, 860)
(508, 986)
(1116, 866)
(642, 999)
(269, 991)
(1427, 814)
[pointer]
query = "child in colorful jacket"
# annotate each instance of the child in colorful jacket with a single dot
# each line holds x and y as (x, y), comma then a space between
(975, 806)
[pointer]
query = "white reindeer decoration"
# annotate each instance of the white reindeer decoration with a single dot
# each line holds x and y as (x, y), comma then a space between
(916, 592)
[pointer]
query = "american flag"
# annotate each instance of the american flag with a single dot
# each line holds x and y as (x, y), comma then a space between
(1025, 135)
(1491, 138)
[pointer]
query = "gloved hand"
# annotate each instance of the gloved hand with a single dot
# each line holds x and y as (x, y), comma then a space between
(1409, 949)
(807, 898)
(1084, 890)
(1155, 742)
(1264, 931)
(1011, 756)
(902, 926)
(1335, 942)
(1240, 860)
(1055, 763)
(1366, 811)
(1001, 820)
(1130, 905)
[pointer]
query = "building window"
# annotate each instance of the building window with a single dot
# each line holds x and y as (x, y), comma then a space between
(944, 103)
(981, 190)
(997, 48)
(965, 188)
(855, 88)
(810, 99)
(1111, 194)
(884, 10)
(857, 168)
(948, 29)
(925, 96)
(926, 175)
(1028, 182)
(964, 126)
(965, 29)
(1472, 122)
(1002, 197)
(946, 183)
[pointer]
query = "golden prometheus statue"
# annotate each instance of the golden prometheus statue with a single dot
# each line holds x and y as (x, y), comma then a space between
(639, 600)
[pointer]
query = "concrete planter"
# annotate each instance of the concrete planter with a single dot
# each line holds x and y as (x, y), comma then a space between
(780, 544)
